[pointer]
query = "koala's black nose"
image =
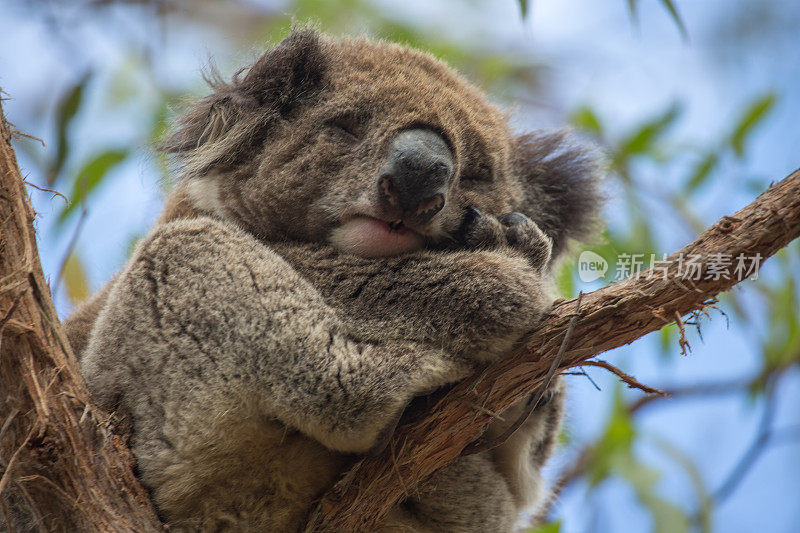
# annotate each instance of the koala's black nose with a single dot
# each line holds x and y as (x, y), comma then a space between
(413, 182)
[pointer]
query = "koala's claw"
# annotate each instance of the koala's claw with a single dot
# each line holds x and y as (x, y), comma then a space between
(515, 230)
(513, 219)
(471, 216)
(523, 234)
(479, 231)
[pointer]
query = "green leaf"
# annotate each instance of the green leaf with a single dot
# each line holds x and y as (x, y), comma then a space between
(676, 17)
(75, 279)
(702, 171)
(613, 455)
(615, 444)
(642, 140)
(696, 478)
(565, 280)
(523, 8)
(66, 110)
(585, 119)
(667, 517)
(90, 176)
(749, 119)
(666, 336)
(632, 8)
(551, 527)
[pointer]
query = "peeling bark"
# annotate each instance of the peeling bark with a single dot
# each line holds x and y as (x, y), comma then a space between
(61, 467)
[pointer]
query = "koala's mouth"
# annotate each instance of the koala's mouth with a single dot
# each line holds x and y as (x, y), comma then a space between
(372, 237)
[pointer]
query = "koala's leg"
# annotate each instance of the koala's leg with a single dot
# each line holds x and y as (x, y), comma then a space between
(520, 458)
(469, 496)
(488, 491)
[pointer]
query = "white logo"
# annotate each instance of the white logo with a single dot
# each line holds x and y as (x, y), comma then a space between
(591, 266)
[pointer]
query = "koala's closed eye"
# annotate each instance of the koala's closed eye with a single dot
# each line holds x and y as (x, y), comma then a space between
(477, 174)
(348, 125)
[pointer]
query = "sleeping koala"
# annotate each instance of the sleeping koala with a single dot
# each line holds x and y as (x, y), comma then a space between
(355, 226)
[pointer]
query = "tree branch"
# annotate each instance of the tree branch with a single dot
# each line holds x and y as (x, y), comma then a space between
(61, 468)
(610, 317)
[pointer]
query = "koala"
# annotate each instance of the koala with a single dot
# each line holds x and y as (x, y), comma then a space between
(354, 226)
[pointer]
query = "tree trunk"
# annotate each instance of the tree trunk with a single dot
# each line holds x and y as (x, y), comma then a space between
(62, 468)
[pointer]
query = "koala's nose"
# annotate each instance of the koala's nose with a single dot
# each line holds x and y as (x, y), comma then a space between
(414, 180)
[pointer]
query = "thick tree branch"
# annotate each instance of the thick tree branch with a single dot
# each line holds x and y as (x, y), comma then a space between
(61, 468)
(608, 318)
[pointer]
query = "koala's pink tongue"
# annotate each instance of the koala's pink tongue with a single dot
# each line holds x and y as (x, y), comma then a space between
(369, 237)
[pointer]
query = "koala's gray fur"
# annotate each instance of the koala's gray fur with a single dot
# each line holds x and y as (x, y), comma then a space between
(255, 360)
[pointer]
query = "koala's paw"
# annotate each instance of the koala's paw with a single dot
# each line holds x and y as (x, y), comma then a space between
(480, 231)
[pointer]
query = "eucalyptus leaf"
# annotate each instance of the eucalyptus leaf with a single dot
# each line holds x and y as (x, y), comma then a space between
(75, 280)
(752, 116)
(702, 171)
(89, 177)
(586, 119)
(641, 140)
(551, 527)
(673, 11)
(695, 477)
(523, 8)
(67, 108)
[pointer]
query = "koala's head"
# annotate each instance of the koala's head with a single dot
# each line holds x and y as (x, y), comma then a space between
(374, 147)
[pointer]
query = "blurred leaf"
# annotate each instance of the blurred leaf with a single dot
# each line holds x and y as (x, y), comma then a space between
(782, 345)
(752, 116)
(667, 517)
(564, 438)
(676, 17)
(666, 336)
(565, 280)
(701, 172)
(90, 176)
(523, 8)
(684, 209)
(616, 441)
(613, 455)
(552, 527)
(585, 119)
(75, 279)
(632, 7)
(607, 249)
(66, 110)
(696, 478)
(756, 186)
(642, 140)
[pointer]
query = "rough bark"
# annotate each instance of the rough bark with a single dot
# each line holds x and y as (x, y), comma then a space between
(61, 468)
(607, 318)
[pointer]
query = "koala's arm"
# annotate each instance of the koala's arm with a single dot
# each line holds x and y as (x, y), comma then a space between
(205, 309)
(476, 302)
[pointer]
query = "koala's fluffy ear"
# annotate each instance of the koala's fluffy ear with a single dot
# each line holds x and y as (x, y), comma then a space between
(561, 180)
(225, 126)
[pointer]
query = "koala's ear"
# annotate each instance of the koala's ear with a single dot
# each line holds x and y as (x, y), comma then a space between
(281, 77)
(236, 114)
(561, 183)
